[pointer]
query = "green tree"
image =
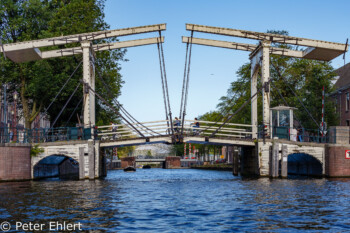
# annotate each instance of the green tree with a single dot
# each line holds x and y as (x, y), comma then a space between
(149, 153)
(38, 82)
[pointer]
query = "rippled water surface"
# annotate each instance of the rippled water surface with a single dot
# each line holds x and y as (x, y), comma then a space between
(183, 200)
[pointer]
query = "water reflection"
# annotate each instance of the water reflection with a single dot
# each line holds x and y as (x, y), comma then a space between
(181, 201)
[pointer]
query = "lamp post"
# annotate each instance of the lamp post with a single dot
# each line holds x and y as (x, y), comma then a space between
(14, 118)
(5, 113)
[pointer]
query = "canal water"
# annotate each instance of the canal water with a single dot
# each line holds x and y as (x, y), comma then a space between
(182, 200)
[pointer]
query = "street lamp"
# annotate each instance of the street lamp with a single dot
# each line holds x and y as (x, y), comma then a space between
(15, 95)
(14, 114)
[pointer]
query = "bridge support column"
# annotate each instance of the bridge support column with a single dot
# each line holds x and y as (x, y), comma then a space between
(81, 163)
(235, 163)
(284, 162)
(254, 103)
(265, 75)
(274, 160)
(249, 162)
(91, 152)
(89, 78)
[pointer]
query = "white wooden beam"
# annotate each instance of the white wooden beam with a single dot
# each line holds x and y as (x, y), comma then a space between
(241, 46)
(62, 40)
(101, 47)
(266, 36)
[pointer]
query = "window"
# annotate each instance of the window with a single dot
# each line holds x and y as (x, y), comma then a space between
(347, 123)
(347, 102)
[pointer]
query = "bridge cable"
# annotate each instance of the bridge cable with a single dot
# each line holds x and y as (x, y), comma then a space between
(65, 105)
(166, 84)
(187, 83)
(222, 116)
(75, 109)
(240, 108)
(163, 88)
(59, 92)
(183, 81)
(110, 106)
(120, 106)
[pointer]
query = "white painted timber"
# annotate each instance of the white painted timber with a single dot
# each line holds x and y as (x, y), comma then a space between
(98, 47)
(139, 141)
(242, 46)
(267, 37)
(220, 141)
(62, 40)
(265, 76)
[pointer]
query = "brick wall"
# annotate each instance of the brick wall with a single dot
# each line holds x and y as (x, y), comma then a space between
(172, 162)
(127, 162)
(341, 107)
(336, 164)
(15, 163)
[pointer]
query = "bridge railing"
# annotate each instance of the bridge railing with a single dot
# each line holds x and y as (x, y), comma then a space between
(157, 128)
(207, 128)
(40, 135)
(123, 131)
(331, 135)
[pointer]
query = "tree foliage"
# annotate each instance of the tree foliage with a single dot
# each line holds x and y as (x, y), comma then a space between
(303, 77)
(38, 82)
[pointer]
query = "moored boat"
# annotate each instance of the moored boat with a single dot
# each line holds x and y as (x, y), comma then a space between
(130, 169)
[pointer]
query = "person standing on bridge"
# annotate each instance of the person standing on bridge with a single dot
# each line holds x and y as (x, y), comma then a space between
(195, 125)
(114, 129)
(177, 123)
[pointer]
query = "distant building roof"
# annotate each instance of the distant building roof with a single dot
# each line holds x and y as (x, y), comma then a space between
(344, 77)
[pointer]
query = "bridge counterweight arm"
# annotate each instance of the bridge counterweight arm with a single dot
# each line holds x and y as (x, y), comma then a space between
(101, 47)
(29, 50)
(62, 40)
(266, 36)
(241, 46)
(316, 49)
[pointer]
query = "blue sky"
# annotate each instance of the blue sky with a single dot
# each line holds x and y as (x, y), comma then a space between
(212, 69)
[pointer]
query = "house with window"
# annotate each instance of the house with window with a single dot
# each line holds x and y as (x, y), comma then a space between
(342, 94)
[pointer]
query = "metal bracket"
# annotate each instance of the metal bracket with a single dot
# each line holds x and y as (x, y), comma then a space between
(86, 88)
(266, 87)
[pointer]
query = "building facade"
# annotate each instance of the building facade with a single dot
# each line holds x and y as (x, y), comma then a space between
(342, 94)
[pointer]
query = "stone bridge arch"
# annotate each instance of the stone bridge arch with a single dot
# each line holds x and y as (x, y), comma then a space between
(87, 154)
(309, 159)
(56, 165)
(304, 164)
(263, 152)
